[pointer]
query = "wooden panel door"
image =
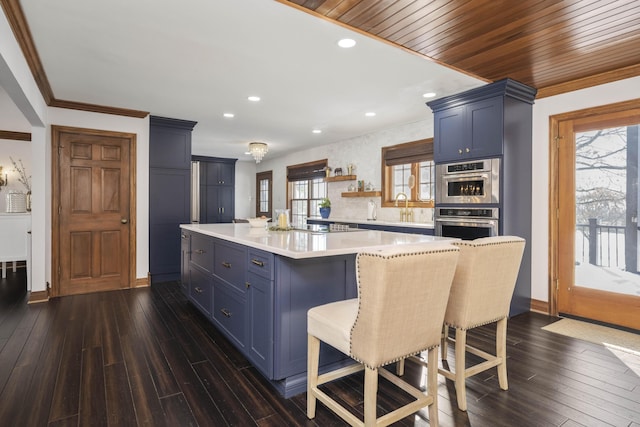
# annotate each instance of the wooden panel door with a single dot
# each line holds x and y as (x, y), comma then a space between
(93, 192)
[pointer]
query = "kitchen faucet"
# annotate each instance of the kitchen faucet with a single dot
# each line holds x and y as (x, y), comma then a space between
(405, 214)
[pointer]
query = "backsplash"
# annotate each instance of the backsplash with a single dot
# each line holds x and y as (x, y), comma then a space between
(356, 207)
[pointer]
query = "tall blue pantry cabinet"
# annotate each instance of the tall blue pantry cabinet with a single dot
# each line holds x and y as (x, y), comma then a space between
(169, 194)
(495, 121)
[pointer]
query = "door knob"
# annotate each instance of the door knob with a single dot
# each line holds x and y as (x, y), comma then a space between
(124, 220)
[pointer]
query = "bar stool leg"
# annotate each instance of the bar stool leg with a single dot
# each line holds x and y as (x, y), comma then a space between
(313, 359)
(461, 387)
(370, 393)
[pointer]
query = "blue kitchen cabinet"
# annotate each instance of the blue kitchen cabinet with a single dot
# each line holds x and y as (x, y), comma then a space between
(220, 171)
(230, 312)
(217, 189)
(201, 289)
(259, 301)
(470, 131)
(495, 120)
(169, 194)
(260, 320)
(477, 123)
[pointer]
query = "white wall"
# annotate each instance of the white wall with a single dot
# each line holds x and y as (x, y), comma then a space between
(610, 93)
(365, 153)
(18, 83)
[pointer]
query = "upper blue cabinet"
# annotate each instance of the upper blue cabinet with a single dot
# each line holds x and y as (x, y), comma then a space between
(474, 124)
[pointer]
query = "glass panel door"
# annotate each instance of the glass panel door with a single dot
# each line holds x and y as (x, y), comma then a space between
(597, 218)
(606, 253)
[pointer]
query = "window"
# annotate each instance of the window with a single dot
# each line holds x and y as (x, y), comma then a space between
(306, 188)
(264, 191)
(409, 169)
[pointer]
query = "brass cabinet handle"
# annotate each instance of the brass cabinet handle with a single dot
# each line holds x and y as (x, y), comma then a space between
(200, 251)
(184, 236)
(258, 263)
(198, 290)
(247, 284)
(226, 264)
(225, 312)
(467, 149)
(459, 151)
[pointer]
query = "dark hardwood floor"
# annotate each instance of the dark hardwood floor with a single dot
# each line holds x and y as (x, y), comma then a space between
(147, 357)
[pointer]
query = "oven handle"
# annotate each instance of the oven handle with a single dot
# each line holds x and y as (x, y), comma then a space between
(468, 221)
(465, 177)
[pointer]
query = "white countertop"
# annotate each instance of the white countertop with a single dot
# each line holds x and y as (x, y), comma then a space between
(304, 244)
(376, 222)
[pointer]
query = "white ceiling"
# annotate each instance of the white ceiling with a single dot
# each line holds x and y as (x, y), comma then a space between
(196, 60)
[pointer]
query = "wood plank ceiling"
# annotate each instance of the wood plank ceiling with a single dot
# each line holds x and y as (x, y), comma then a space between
(555, 46)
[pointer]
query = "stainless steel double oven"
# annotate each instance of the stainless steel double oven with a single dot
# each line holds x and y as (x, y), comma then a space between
(468, 199)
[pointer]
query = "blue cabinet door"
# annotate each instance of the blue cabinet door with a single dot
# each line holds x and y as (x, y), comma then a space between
(485, 121)
(470, 131)
(450, 134)
(229, 312)
(201, 290)
(260, 320)
(218, 171)
(169, 193)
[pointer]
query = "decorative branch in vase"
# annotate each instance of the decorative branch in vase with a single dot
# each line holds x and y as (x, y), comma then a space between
(23, 179)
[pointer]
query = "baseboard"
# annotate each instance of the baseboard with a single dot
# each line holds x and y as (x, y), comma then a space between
(141, 282)
(540, 306)
(38, 296)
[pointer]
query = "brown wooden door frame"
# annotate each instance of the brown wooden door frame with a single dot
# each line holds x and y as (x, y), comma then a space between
(55, 195)
(560, 129)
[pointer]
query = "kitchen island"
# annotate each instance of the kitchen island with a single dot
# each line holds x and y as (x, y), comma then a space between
(256, 286)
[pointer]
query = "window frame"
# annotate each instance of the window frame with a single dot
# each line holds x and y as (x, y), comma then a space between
(412, 153)
(308, 172)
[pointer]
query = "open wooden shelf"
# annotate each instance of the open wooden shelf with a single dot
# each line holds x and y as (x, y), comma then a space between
(362, 194)
(340, 178)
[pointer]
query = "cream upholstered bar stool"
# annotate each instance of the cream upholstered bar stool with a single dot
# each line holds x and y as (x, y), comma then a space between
(481, 294)
(402, 297)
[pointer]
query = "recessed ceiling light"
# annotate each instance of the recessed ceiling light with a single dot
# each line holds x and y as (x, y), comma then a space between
(370, 114)
(316, 131)
(346, 43)
(229, 115)
(254, 98)
(429, 95)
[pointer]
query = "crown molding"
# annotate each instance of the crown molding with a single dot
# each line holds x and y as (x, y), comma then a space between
(16, 136)
(15, 15)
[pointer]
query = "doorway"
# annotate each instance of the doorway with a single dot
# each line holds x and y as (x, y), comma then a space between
(264, 192)
(595, 233)
(93, 220)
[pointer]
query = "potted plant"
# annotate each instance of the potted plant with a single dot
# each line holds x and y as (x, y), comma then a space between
(325, 208)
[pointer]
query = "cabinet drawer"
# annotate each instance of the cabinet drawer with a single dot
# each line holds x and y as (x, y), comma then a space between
(231, 264)
(201, 290)
(261, 263)
(229, 311)
(202, 251)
